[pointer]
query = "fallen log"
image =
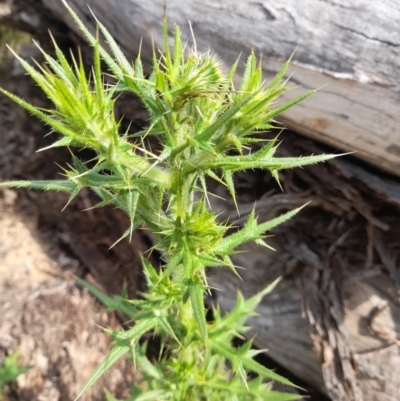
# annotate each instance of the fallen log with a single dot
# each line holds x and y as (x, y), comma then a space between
(335, 318)
(350, 50)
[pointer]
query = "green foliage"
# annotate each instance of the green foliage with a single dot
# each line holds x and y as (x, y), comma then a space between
(205, 126)
(10, 370)
(190, 368)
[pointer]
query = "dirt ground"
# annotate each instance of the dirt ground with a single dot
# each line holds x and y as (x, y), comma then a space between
(55, 324)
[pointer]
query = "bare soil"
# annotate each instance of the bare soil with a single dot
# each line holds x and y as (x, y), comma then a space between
(55, 324)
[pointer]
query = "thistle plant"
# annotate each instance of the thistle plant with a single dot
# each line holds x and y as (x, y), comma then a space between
(206, 127)
(10, 370)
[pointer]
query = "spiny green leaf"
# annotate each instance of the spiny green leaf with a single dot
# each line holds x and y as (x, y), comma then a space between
(112, 303)
(64, 64)
(211, 261)
(167, 53)
(66, 141)
(118, 54)
(45, 185)
(231, 353)
(92, 40)
(228, 177)
(115, 354)
(282, 163)
(248, 72)
(173, 262)
(178, 52)
(149, 369)
(287, 105)
(65, 75)
(279, 76)
(165, 328)
(232, 72)
(196, 291)
(132, 202)
(73, 195)
(232, 323)
(153, 395)
(258, 391)
(240, 163)
(38, 78)
(268, 225)
(97, 75)
(251, 231)
(54, 123)
(207, 134)
(152, 277)
(134, 334)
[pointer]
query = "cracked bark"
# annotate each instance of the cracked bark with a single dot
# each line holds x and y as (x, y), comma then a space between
(351, 53)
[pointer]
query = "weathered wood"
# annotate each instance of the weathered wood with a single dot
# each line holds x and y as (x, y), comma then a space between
(348, 49)
(372, 338)
(335, 318)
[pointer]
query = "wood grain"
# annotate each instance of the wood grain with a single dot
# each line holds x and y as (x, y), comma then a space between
(348, 49)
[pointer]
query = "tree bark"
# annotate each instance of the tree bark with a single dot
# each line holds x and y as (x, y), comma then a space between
(334, 320)
(350, 50)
